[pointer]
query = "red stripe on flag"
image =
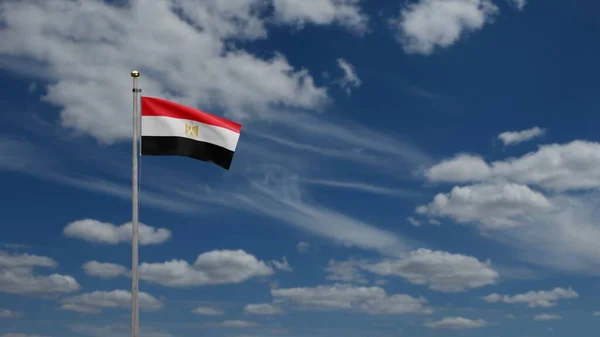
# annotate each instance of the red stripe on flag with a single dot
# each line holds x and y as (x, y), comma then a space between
(152, 106)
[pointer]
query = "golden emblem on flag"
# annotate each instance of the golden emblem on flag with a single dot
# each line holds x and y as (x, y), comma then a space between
(191, 130)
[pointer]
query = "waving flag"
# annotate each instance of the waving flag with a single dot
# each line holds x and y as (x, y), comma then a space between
(169, 128)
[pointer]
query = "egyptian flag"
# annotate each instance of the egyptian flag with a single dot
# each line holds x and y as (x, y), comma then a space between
(169, 128)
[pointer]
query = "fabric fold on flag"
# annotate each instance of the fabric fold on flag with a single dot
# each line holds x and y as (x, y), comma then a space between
(170, 128)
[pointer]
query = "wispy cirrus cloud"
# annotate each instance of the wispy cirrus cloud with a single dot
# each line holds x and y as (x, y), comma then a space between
(350, 80)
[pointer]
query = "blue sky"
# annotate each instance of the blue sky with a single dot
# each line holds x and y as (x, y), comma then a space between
(406, 168)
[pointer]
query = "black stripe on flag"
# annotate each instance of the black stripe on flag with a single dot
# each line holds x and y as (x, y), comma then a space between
(180, 146)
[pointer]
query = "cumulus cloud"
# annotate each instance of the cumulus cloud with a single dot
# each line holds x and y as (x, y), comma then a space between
(535, 299)
(208, 311)
(490, 205)
(429, 24)
(191, 39)
(556, 230)
(262, 309)
(371, 300)
(214, 267)
(23, 281)
(95, 301)
(547, 317)
(441, 271)
(350, 80)
(346, 13)
(8, 260)
(104, 270)
(106, 233)
(461, 168)
(556, 167)
(456, 323)
(516, 137)
(17, 276)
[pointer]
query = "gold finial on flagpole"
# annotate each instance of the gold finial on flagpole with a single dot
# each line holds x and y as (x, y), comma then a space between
(135, 74)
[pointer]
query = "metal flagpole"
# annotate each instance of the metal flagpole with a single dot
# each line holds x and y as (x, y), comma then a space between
(135, 209)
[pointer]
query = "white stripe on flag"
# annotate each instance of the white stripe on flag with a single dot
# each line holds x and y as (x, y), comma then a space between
(158, 126)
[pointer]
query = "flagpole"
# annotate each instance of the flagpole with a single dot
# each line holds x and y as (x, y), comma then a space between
(135, 209)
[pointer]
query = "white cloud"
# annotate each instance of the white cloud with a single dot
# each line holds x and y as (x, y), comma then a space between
(65, 39)
(107, 233)
(456, 323)
(23, 282)
(25, 260)
(516, 137)
(350, 80)
(414, 221)
(104, 270)
(214, 267)
(116, 330)
(363, 187)
(519, 4)
(302, 247)
(236, 324)
(283, 265)
(207, 311)
(560, 167)
(461, 168)
(428, 24)
(490, 206)
(371, 300)
(440, 271)
(345, 271)
(557, 167)
(262, 309)
(547, 317)
(561, 237)
(17, 276)
(227, 81)
(95, 301)
(5, 313)
(535, 299)
(345, 13)
(281, 198)
(556, 230)
(597, 313)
